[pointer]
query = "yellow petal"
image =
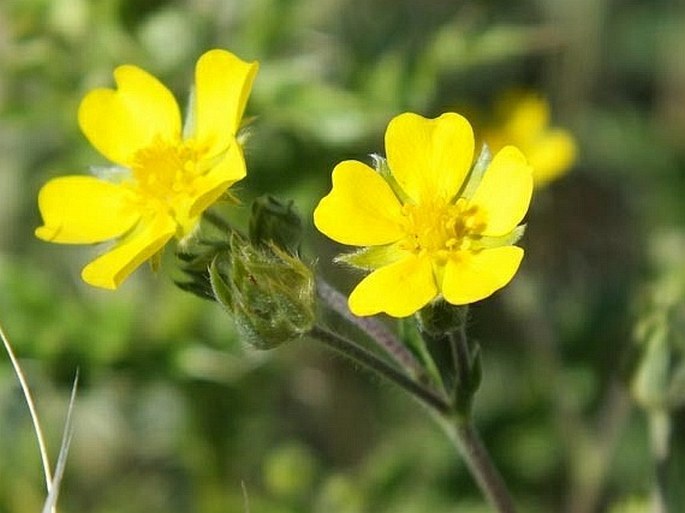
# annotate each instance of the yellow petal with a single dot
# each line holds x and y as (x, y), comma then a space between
(111, 269)
(120, 122)
(526, 114)
(399, 289)
(229, 170)
(495, 138)
(505, 191)
(551, 156)
(470, 277)
(361, 208)
(222, 86)
(83, 210)
(429, 157)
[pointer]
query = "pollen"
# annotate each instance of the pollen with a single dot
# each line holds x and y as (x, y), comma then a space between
(165, 173)
(440, 228)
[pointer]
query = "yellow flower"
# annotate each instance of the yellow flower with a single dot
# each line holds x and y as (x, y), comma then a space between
(524, 122)
(166, 174)
(431, 224)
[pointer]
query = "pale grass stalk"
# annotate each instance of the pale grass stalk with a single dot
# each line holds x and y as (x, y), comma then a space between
(32, 410)
(51, 483)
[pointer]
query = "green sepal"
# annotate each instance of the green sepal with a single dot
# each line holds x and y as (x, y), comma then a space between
(196, 252)
(509, 239)
(440, 318)
(381, 166)
(476, 174)
(189, 126)
(372, 257)
(220, 289)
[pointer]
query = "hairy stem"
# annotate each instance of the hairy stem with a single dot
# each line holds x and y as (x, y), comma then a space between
(461, 357)
(374, 328)
(370, 360)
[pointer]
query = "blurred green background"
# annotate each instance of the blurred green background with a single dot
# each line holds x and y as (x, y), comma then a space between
(175, 415)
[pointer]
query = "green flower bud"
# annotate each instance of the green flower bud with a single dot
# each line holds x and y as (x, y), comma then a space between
(269, 292)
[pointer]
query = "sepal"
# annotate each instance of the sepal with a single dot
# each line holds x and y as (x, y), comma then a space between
(275, 222)
(371, 257)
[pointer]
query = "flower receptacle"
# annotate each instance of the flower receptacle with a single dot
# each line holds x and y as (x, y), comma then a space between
(440, 318)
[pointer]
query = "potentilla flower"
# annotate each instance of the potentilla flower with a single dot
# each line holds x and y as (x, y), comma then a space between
(166, 174)
(523, 120)
(431, 224)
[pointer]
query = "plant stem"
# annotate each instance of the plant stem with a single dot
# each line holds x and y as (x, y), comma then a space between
(452, 415)
(370, 360)
(462, 432)
(464, 436)
(374, 328)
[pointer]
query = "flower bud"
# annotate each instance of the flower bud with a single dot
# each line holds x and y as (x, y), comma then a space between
(269, 292)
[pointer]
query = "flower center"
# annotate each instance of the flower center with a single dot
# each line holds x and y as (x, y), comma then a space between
(439, 228)
(165, 173)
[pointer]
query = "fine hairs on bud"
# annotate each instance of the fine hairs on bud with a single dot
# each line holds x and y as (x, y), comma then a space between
(269, 292)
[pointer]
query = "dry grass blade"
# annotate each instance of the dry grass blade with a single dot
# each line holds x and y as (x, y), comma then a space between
(32, 410)
(52, 483)
(51, 500)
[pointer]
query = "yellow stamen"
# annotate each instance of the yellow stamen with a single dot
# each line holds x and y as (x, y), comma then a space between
(440, 228)
(165, 174)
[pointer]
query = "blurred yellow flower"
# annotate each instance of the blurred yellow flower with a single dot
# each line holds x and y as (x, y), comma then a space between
(165, 176)
(523, 120)
(431, 224)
